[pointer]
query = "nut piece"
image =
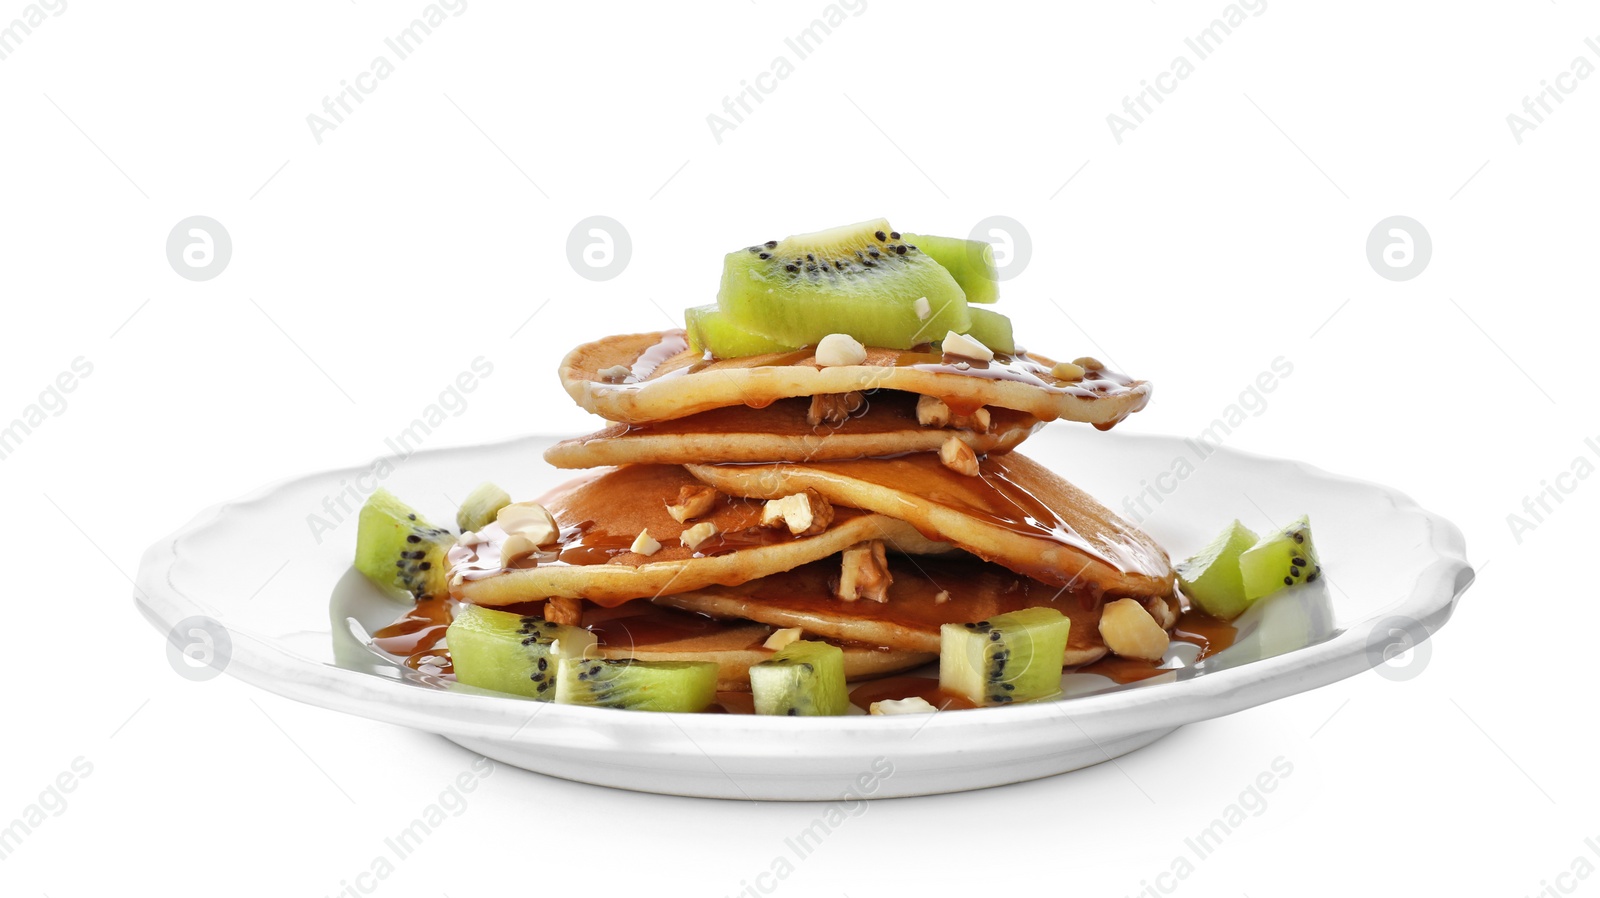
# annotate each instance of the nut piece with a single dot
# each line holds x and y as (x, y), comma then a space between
(942, 597)
(834, 408)
(782, 638)
(1089, 363)
(923, 309)
(977, 421)
(916, 704)
(959, 457)
(529, 519)
(645, 544)
(805, 514)
(965, 346)
(693, 501)
(840, 349)
(698, 534)
(1165, 614)
(865, 573)
(1067, 371)
(616, 374)
(932, 412)
(1131, 632)
(560, 610)
(516, 546)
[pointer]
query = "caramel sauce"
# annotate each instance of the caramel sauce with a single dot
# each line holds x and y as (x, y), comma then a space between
(417, 636)
(733, 703)
(641, 623)
(1194, 627)
(895, 688)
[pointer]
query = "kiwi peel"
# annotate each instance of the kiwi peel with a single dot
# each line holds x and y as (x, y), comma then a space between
(400, 551)
(1013, 657)
(511, 653)
(804, 679)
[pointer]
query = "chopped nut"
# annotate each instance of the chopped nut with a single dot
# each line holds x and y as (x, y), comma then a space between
(959, 457)
(698, 534)
(693, 501)
(616, 374)
(805, 513)
(1163, 612)
(516, 546)
(942, 597)
(965, 346)
(916, 704)
(559, 610)
(645, 544)
(529, 519)
(840, 349)
(979, 420)
(865, 573)
(923, 310)
(1067, 371)
(834, 408)
(1131, 632)
(932, 412)
(782, 638)
(1088, 363)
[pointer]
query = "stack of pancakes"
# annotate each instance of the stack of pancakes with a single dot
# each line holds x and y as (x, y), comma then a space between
(864, 504)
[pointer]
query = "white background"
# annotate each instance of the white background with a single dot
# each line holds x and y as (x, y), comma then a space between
(422, 232)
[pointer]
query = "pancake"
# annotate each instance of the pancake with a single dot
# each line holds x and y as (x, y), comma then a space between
(887, 426)
(646, 633)
(667, 381)
(600, 516)
(910, 620)
(1016, 513)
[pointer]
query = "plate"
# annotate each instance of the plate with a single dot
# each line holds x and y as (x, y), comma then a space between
(262, 588)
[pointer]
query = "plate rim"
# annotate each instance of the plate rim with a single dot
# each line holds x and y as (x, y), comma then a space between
(1430, 601)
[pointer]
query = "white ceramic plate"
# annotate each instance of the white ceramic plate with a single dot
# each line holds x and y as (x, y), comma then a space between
(255, 586)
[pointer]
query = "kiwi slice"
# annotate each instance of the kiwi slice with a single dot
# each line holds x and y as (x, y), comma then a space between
(1211, 578)
(637, 685)
(804, 679)
(710, 328)
(509, 652)
(970, 262)
(993, 330)
(400, 551)
(1279, 561)
(863, 280)
(478, 510)
(1013, 657)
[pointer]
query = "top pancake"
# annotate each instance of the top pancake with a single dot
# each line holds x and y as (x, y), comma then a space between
(599, 516)
(667, 381)
(1016, 513)
(886, 425)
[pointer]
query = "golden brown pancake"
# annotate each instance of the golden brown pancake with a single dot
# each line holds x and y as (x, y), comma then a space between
(667, 381)
(646, 633)
(600, 516)
(887, 425)
(1016, 513)
(910, 620)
